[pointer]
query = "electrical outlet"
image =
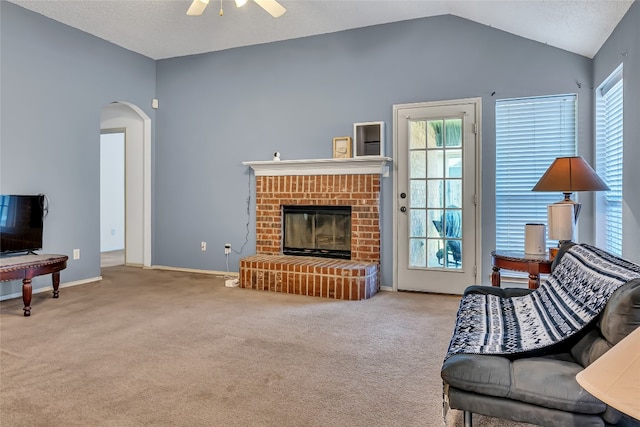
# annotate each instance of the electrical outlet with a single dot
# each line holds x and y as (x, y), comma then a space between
(76, 254)
(227, 248)
(203, 246)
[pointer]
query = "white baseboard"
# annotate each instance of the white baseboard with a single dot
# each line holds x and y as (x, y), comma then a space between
(50, 288)
(133, 264)
(386, 288)
(193, 270)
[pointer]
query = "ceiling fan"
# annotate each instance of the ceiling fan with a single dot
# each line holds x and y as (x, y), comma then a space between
(272, 6)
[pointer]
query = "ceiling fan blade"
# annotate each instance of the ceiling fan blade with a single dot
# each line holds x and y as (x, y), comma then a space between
(272, 6)
(197, 7)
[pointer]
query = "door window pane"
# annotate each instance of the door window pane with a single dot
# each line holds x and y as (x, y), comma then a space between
(434, 133)
(418, 223)
(435, 164)
(435, 248)
(453, 133)
(417, 135)
(418, 194)
(435, 193)
(418, 167)
(417, 253)
(453, 193)
(434, 217)
(454, 163)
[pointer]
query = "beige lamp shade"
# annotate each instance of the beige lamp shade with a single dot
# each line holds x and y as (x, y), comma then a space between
(614, 378)
(569, 174)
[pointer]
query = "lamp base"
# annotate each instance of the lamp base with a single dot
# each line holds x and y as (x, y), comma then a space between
(561, 220)
(553, 252)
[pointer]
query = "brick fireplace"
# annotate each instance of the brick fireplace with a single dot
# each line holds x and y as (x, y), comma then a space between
(333, 182)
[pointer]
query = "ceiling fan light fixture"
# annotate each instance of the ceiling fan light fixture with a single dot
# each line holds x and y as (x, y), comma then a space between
(272, 6)
(197, 7)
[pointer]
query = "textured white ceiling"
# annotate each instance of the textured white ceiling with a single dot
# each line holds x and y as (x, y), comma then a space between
(161, 29)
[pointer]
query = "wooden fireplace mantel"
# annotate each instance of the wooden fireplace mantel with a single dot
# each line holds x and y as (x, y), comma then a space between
(351, 166)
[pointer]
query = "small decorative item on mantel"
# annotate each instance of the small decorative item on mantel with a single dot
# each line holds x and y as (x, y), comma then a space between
(342, 147)
(368, 139)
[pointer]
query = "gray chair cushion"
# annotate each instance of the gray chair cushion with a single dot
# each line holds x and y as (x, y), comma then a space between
(590, 347)
(478, 373)
(551, 383)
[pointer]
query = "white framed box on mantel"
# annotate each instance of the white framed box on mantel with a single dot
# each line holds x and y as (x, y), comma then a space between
(368, 139)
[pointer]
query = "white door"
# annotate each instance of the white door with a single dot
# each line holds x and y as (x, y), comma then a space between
(436, 241)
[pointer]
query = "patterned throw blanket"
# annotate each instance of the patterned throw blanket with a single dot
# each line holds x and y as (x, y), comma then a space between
(574, 294)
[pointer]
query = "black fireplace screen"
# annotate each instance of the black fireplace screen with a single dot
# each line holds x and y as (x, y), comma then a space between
(322, 231)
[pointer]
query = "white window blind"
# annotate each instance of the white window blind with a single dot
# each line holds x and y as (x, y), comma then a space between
(609, 111)
(530, 134)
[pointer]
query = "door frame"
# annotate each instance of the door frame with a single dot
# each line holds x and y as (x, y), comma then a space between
(122, 111)
(478, 184)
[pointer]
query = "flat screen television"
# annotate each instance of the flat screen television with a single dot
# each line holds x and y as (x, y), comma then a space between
(21, 222)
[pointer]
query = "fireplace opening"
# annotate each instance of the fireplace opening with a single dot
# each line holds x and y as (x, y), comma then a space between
(322, 231)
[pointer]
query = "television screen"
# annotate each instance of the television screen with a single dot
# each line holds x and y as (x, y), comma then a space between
(21, 220)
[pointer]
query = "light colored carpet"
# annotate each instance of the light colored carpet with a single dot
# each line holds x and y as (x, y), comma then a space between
(165, 348)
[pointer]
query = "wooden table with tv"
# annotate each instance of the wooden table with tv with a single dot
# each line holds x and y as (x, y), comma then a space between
(26, 267)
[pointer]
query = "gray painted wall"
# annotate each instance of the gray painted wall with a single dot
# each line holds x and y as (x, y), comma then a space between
(623, 46)
(219, 109)
(55, 81)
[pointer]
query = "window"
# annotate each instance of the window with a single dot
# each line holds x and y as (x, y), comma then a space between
(530, 134)
(609, 110)
(7, 212)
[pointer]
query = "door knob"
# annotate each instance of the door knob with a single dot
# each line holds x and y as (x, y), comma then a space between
(403, 209)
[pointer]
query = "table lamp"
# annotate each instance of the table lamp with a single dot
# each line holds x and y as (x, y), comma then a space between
(614, 377)
(567, 175)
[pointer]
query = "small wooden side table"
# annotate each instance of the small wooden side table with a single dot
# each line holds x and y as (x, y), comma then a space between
(519, 261)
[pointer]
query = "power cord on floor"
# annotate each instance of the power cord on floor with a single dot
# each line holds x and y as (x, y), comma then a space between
(230, 281)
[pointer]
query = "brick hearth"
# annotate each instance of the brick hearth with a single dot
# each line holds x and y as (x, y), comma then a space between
(353, 279)
(313, 276)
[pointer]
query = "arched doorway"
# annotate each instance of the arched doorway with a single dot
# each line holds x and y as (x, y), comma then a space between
(137, 128)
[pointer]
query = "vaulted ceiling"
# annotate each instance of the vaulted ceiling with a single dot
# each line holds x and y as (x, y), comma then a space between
(161, 29)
